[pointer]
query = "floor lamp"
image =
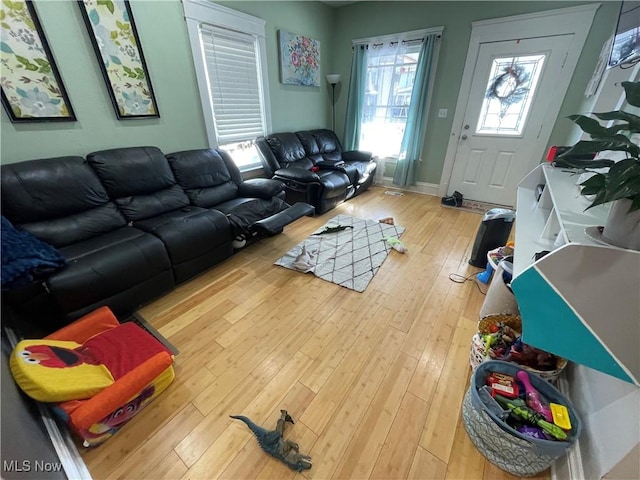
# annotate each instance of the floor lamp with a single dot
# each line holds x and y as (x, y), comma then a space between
(333, 79)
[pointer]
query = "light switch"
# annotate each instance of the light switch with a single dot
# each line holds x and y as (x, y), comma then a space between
(442, 113)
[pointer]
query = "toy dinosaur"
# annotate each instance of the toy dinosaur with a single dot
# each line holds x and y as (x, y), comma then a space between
(333, 229)
(273, 443)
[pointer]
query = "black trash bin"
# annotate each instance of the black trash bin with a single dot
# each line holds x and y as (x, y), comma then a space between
(493, 233)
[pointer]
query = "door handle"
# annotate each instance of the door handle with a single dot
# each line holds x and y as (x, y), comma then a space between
(463, 137)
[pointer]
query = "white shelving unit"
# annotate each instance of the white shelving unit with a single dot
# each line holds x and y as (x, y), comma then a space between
(580, 301)
(558, 218)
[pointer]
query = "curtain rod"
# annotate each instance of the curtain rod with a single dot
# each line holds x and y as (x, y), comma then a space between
(403, 42)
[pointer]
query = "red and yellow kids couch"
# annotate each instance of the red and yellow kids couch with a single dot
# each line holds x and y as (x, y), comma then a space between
(97, 372)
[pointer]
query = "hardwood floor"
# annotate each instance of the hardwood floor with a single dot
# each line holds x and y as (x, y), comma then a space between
(374, 380)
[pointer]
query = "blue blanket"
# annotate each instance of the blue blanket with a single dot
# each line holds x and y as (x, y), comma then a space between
(26, 258)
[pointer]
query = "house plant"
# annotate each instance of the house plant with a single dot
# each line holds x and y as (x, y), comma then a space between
(620, 182)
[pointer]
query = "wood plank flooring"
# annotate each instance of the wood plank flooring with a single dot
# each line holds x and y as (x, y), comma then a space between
(374, 380)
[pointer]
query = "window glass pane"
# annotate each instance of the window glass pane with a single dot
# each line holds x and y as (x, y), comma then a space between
(244, 154)
(391, 72)
(510, 90)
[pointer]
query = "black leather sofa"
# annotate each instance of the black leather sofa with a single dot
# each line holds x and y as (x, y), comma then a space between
(314, 167)
(133, 223)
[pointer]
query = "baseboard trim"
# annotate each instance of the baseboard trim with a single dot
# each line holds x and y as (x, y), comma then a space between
(421, 187)
(568, 467)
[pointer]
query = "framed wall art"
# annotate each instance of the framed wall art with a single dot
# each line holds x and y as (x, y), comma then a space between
(299, 59)
(32, 89)
(115, 41)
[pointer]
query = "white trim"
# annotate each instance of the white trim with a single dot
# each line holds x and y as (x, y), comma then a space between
(568, 467)
(574, 21)
(203, 11)
(410, 35)
(214, 14)
(421, 187)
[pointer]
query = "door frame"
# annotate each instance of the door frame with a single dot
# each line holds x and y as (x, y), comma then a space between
(562, 21)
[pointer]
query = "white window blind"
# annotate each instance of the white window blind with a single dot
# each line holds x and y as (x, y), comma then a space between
(233, 77)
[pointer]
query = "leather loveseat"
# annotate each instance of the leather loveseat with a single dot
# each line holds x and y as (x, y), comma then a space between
(133, 223)
(314, 168)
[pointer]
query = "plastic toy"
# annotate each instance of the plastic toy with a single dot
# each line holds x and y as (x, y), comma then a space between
(333, 229)
(273, 443)
(502, 384)
(533, 432)
(535, 401)
(396, 244)
(387, 220)
(519, 409)
(560, 416)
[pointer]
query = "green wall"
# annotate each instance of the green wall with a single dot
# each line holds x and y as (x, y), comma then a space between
(294, 107)
(163, 35)
(366, 19)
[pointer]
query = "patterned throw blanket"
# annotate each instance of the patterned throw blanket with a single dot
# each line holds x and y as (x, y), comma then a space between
(25, 258)
(348, 257)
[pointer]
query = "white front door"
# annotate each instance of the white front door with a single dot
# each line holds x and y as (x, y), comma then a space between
(512, 95)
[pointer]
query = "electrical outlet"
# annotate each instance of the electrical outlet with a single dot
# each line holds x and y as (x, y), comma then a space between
(442, 113)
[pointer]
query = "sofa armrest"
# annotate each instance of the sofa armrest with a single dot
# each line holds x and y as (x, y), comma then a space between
(331, 165)
(356, 156)
(299, 175)
(100, 320)
(265, 188)
(123, 390)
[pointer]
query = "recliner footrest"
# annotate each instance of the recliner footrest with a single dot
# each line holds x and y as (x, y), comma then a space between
(275, 223)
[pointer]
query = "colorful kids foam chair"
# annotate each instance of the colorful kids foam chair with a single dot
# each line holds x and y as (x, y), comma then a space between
(97, 372)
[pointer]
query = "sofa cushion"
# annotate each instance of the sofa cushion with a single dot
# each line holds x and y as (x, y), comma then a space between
(205, 176)
(191, 235)
(288, 149)
(140, 181)
(104, 266)
(59, 200)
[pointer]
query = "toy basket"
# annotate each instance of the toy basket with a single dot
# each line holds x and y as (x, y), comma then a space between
(502, 445)
(478, 353)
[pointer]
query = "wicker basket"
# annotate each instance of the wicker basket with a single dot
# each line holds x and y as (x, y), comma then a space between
(478, 346)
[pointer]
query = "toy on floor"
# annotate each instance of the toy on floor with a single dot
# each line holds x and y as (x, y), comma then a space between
(273, 443)
(396, 244)
(305, 262)
(332, 229)
(387, 220)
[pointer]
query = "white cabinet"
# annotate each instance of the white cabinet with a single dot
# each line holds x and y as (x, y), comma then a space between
(582, 300)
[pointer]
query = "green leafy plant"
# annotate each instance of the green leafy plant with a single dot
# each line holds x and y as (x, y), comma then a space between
(622, 180)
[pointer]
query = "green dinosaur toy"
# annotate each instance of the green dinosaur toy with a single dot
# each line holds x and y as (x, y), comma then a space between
(333, 229)
(520, 409)
(272, 442)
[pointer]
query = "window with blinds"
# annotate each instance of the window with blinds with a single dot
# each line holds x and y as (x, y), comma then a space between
(229, 55)
(234, 84)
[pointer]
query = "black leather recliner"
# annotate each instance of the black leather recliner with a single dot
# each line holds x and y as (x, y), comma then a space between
(254, 207)
(129, 228)
(314, 168)
(141, 182)
(62, 202)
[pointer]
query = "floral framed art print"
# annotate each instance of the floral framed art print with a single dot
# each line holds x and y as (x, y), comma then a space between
(32, 89)
(299, 59)
(115, 40)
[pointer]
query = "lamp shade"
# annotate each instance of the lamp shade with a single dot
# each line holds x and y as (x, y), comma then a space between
(333, 78)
